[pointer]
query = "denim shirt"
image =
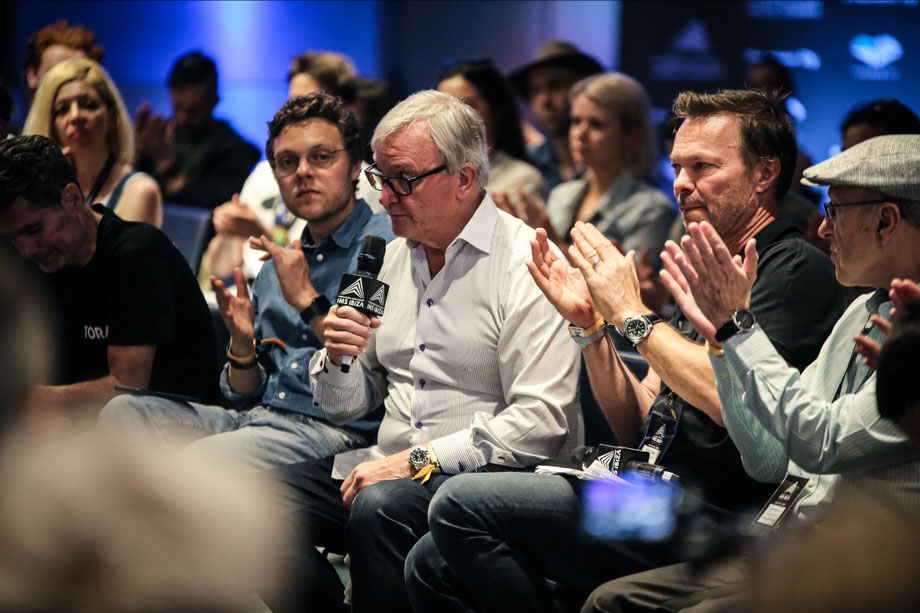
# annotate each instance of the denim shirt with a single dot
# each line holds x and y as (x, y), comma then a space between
(285, 375)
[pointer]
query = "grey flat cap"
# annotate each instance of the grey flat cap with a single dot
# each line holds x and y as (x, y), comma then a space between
(888, 164)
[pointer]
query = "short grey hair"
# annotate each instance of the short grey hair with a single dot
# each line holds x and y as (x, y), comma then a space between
(456, 129)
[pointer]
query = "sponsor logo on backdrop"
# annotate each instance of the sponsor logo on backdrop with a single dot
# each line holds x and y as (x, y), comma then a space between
(689, 57)
(805, 59)
(784, 9)
(876, 53)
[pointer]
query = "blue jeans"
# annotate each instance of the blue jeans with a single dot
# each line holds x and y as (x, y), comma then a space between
(495, 540)
(384, 522)
(260, 438)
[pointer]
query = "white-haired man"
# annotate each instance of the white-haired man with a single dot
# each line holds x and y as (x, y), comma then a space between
(474, 367)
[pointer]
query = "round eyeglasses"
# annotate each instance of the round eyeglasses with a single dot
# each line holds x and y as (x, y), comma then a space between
(287, 163)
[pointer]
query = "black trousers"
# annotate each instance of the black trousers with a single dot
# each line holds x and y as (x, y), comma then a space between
(385, 521)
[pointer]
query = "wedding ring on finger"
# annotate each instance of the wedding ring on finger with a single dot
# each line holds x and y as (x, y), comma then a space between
(595, 261)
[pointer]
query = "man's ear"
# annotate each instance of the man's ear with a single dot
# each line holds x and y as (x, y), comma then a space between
(71, 196)
(32, 78)
(356, 171)
(466, 181)
(887, 219)
(767, 174)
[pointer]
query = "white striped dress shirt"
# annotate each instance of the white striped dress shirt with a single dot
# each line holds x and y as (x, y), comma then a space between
(475, 362)
(822, 424)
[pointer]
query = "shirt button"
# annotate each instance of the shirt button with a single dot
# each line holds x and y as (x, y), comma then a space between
(429, 302)
(421, 347)
(281, 395)
(418, 425)
(320, 258)
(303, 336)
(294, 365)
(461, 466)
(421, 382)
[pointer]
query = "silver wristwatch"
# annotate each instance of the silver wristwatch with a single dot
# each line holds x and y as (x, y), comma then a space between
(637, 327)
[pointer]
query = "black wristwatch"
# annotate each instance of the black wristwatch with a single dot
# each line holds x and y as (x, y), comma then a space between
(742, 321)
(319, 307)
(636, 328)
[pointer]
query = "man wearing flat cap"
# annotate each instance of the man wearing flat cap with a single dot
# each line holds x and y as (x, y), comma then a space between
(820, 432)
(545, 83)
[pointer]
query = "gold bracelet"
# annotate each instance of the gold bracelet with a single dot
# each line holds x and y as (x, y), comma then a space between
(716, 352)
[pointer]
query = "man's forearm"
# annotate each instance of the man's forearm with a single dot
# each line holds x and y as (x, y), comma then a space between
(244, 381)
(684, 367)
(76, 400)
(622, 397)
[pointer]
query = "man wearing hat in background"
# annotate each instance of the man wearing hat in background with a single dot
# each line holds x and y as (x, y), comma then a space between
(545, 83)
(820, 432)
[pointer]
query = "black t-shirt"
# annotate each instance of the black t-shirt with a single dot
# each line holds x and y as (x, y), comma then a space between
(796, 300)
(136, 290)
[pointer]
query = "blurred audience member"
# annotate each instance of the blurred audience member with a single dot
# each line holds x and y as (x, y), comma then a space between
(899, 362)
(26, 337)
(258, 210)
(197, 160)
(611, 136)
(375, 99)
(95, 524)
(78, 105)
(6, 110)
(130, 311)
(877, 118)
(482, 86)
(56, 43)
(774, 78)
(863, 556)
(323, 71)
(545, 84)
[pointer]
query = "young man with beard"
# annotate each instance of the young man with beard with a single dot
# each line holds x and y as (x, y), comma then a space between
(313, 150)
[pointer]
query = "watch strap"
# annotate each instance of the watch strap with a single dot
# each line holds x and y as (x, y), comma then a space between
(318, 307)
(731, 327)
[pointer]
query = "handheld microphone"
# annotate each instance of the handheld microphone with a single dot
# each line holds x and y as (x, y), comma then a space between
(619, 460)
(361, 290)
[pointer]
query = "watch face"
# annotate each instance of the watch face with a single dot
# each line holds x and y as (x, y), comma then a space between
(744, 319)
(635, 329)
(419, 457)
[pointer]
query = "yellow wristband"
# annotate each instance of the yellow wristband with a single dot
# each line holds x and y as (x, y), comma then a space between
(246, 359)
(433, 467)
(717, 352)
(600, 323)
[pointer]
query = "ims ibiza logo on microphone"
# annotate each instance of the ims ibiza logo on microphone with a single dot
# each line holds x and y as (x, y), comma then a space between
(354, 292)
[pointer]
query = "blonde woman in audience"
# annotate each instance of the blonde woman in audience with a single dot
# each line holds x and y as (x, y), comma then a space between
(78, 105)
(611, 137)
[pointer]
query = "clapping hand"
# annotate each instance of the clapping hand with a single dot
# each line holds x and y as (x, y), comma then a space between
(708, 283)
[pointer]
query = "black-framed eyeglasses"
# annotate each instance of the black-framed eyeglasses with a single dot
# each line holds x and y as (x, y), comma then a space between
(830, 208)
(287, 164)
(399, 185)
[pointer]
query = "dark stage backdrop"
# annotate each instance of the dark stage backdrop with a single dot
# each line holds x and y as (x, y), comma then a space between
(840, 53)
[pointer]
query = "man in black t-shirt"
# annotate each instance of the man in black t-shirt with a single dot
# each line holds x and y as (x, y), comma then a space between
(733, 157)
(130, 312)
